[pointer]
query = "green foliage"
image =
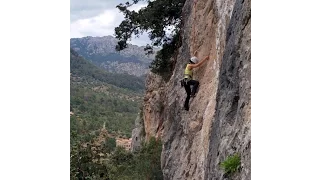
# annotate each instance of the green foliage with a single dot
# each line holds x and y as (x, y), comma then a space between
(120, 164)
(91, 161)
(231, 164)
(115, 109)
(162, 64)
(154, 19)
(144, 164)
(97, 104)
(96, 101)
(86, 163)
(110, 145)
(149, 160)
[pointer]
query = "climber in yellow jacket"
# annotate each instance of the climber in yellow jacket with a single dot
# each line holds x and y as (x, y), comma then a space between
(188, 80)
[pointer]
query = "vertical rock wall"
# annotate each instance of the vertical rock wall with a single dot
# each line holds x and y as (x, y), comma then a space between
(218, 122)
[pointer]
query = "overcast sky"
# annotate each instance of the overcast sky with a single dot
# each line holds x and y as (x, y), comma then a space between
(99, 18)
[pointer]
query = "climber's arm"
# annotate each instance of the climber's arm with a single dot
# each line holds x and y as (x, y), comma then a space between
(199, 64)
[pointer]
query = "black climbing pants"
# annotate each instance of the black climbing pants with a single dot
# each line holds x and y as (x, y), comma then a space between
(187, 87)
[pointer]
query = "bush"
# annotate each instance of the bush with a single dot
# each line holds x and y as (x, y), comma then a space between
(231, 164)
(144, 164)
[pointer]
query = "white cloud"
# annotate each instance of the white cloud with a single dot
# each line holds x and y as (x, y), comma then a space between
(100, 25)
(80, 9)
(103, 24)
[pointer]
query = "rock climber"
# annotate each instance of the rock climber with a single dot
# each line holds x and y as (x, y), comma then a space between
(188, 80)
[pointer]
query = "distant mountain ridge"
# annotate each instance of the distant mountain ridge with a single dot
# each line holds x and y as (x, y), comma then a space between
(101, 52)
(81, 68)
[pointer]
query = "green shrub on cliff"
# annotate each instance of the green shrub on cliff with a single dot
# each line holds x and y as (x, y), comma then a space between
(231, 164)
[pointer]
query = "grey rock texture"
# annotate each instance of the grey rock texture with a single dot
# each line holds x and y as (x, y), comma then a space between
(218, 122)
(137, 134)
(231, 128)
(153, 106)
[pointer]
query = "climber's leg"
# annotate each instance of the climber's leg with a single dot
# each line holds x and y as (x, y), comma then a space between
(195, 86)
(188, 90)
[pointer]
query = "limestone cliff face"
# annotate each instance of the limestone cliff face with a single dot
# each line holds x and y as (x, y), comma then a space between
(218, 122)
(153, 105)
(137, 134)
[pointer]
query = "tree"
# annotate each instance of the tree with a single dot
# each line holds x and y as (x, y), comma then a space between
(154, 19)
(85, 163)
(110, 144)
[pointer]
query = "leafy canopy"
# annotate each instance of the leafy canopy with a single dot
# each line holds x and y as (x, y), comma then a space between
(156, 18)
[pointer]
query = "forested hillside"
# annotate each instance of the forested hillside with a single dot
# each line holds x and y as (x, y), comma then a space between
(103, 107)
(99, 98)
